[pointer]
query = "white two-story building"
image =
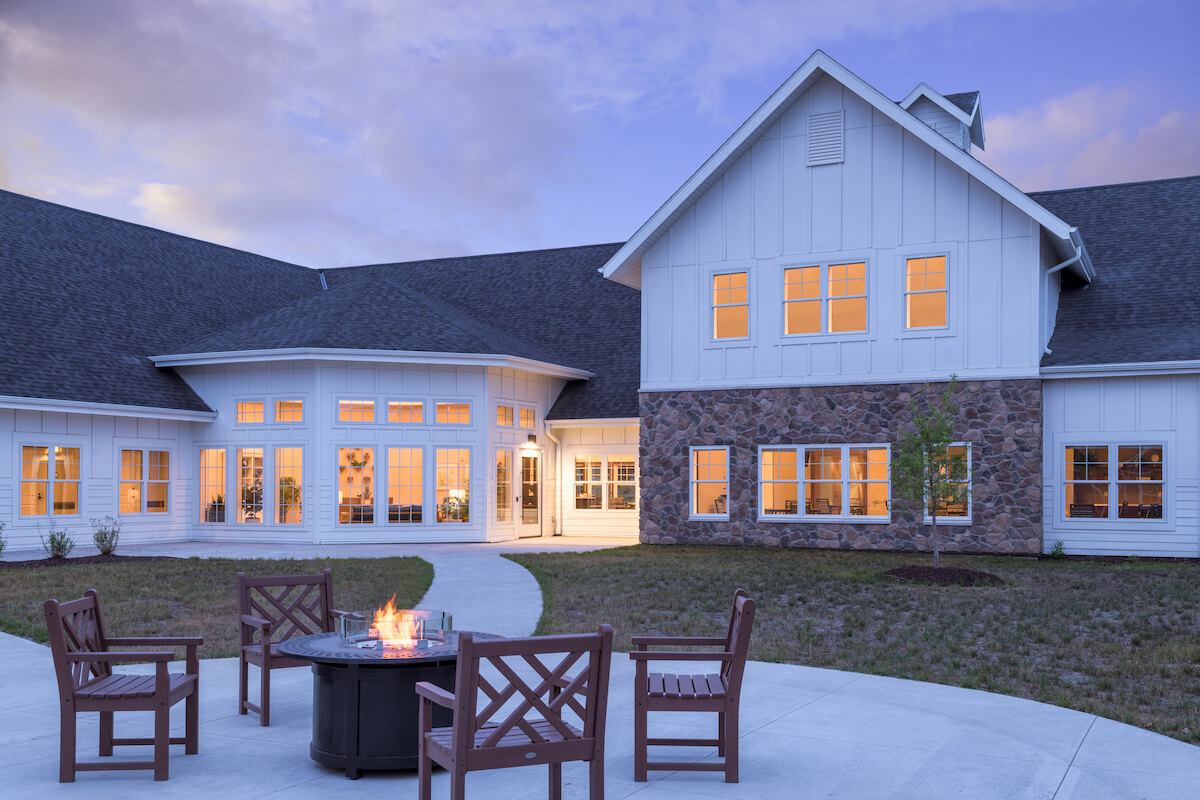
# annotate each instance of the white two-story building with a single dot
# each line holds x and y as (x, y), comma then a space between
(735, 373)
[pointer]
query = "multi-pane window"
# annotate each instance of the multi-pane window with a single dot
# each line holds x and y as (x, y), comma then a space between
(405, 468)
(589, 481)
(840, 308)
(250, 484)
(731, 305)
(289, 485)
(710, 481)
(289, 410)
(958, 471)
(622, 482)
(527, 417)
(504, 493)
(356, 479)
(504, 415)
(453, 485)
(406, 411)
(43, 493)
(250, 412)
(212, 485)
(144, 474)
(925, 292)
(356, 411)
(1123, 481)
(824, 481)
(454, 414)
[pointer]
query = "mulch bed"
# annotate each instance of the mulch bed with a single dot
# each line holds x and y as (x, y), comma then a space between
(63, 562)
(944, 576)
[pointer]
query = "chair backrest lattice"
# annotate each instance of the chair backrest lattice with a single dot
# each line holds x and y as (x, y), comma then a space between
(296, 605)
(74, 627)
(532, 683)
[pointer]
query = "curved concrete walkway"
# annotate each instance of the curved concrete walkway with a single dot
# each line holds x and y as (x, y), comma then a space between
(805, 732)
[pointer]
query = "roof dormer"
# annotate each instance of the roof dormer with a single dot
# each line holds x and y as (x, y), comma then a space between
(958, 117)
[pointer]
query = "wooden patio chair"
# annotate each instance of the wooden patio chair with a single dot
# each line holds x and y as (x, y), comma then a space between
(500, 735)
(719, 692)
(86, 682)
(270, 610)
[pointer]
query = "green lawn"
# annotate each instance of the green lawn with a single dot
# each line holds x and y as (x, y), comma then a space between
(1119, 640)
(192, 596)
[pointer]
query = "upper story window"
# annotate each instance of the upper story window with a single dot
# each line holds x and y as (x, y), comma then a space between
(406, 411)
(250, 412)
(356, 411)
(145, 481)
(289, 410)
(710, 482)
(825, 298)
(1114, 481)
(847, 481)
(43, 493)
(454, 414)
(925, 296)
(504, 415)
(528, 416)
(731, 305)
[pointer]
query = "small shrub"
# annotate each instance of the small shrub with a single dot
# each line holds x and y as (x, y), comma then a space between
(3, 541)
(1059, 550)
(105, 533)
(58, 544)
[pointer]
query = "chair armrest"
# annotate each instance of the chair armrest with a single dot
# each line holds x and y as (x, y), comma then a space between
(169, 641)
(667, 655)
(82, 655)
(255, 622)
(710, 641)
(436, 694)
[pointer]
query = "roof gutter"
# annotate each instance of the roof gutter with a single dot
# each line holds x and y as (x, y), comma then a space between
(1085, 269)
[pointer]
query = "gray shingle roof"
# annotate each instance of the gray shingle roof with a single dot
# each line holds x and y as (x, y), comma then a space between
(963, 100)
(1144, 303)
(87, 298)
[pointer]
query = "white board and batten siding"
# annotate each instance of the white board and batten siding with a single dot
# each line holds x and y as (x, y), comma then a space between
(100, 439)
(601, 440)
(1157, 409)
(891, 197)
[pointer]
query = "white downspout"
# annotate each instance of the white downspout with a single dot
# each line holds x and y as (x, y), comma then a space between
(1058, 268)
(558, 481)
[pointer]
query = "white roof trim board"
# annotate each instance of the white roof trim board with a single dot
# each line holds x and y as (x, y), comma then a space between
(105, 409)
(925, 90)
(625, 265)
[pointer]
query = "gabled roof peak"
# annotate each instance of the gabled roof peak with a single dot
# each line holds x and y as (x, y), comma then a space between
(963, 106)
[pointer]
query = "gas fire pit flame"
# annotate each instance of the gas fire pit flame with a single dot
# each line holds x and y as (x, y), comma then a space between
(394, 628)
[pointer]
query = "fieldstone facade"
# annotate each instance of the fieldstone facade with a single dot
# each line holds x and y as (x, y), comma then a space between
(1001, 419)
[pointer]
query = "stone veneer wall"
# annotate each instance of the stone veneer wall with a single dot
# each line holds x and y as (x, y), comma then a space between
(1002, 420)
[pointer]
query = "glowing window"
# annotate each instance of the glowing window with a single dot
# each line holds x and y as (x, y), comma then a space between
(42, 493)
(454, 414)
(527, 417)
(356, 411)
(249, 412)
(504, 493)
(212, 485)
(777, 481)
(847, 297)
(1114, 481)
(356, 483)
(845, 481)
(250, 485)
(957, 506)
(406, 412)
(289, 485)
(622, 483)
(289, 410)
(405, 484)
(710, 482)
(504, 415)
(802, 300)
(130, 489)
(453, 485)
(925, 292)
(589, 482)
(731, 305)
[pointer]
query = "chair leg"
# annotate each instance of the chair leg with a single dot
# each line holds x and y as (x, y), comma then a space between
(596, 777)
(191, 722)
(243, 684)
(720, 733)
(639, 738)
(458, 784)
(555, 781)
(264, 697)
(66, 745)
(106, 733)
(162, 739)
(731, 746)
(424, 773)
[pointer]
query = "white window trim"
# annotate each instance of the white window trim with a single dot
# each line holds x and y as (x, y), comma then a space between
(387, 410)
(494, 487)
(337, 410)
(268, 411)
(800, 516)
(386, 449)
(304, 503)
(1112, 442)
(824, 261)
(951, 251)
(199, 481)
(172, 465)
(472, 505)
(904, 292)
(691, 472)
(289, 399)
(53, 440)
(471, 415)
(959, 521)
(378, 451)
(708, 319)
(604, 482)
(233, 477)
(517, 417)
(496, 414)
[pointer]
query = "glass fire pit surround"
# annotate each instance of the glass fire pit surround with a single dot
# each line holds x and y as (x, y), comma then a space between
(397, 632)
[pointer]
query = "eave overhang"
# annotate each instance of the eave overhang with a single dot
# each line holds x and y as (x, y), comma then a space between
(105, 409)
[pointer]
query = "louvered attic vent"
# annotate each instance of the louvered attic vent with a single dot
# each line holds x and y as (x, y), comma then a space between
(826, 138)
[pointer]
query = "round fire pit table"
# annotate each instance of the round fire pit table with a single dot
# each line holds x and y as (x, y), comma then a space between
(364, 703)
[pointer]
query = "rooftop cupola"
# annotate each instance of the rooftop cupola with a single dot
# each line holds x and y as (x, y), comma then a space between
(958, 117)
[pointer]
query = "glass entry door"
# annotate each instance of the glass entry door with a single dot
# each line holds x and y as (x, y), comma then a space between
(529, 515)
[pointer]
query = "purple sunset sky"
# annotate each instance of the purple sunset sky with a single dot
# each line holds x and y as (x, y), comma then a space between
(327, 133)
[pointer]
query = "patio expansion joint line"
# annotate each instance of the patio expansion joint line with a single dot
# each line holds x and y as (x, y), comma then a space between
(1074, 755)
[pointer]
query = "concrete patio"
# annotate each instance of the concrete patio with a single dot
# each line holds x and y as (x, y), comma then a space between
(805, 732)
